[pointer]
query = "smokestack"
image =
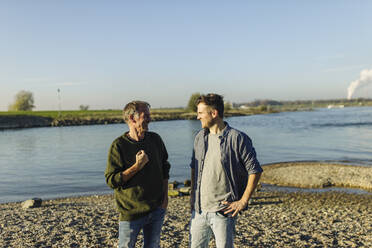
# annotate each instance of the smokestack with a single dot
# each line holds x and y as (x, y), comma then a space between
(365, 79)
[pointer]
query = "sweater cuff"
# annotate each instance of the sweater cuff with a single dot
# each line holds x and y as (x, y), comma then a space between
(119, 179)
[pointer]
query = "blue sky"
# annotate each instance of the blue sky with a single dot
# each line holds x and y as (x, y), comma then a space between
(106, 53)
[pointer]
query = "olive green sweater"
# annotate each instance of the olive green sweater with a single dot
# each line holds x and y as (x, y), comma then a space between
(144, 192)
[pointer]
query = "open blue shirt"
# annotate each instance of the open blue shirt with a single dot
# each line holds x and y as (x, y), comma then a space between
(238, 158)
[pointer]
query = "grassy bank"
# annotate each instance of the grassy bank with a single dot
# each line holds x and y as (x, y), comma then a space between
(24, 119)
(178, 113)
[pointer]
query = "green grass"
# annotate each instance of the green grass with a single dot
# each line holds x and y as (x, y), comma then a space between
(73, 113)
(93, 114)
(115, 116)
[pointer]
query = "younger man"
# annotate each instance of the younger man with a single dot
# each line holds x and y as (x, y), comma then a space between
(224, 174)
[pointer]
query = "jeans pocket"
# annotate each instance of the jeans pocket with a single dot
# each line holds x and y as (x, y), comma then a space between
(223, 215)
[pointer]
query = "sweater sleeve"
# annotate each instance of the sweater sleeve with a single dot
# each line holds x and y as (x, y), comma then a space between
(166, 165)
(114, 167)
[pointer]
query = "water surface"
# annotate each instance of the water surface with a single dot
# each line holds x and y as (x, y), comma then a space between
(67, 161)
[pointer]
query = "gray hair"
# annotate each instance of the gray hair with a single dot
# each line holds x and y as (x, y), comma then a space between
(132, 108)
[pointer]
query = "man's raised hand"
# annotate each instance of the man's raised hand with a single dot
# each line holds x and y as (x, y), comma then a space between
(141, 159)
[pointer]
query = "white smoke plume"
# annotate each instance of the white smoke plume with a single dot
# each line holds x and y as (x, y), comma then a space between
(365, 79)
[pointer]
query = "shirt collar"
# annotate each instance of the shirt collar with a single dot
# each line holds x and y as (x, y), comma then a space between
(224, 133)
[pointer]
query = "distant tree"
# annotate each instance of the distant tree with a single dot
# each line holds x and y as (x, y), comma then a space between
(23, 101)
(262, 108)
(191, 105)
(83, 107)
(227, 106)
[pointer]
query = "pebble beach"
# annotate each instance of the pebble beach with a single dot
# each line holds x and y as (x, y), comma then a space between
(273, 219)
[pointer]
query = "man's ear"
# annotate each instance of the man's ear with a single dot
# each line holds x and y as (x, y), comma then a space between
(214, 113)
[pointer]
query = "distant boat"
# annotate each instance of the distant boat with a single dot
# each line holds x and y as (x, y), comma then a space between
(336, 106)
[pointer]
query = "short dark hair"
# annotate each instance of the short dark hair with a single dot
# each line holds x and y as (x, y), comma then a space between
(212, 100)
(132, 108)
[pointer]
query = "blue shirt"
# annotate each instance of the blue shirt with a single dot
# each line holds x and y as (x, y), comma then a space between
(238, 158)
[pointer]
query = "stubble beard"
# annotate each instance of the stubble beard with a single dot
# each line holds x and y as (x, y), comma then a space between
(208, 124)
(141, 130)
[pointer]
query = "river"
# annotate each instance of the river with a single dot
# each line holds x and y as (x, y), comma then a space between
(69, 161)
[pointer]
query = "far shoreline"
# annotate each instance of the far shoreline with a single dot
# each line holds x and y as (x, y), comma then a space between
(59, 118)
(33, 119)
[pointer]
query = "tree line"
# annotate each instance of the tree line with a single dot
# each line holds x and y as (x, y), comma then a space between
(24, 101)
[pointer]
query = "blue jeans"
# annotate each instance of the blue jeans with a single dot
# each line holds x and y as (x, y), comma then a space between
(151, 225)
(204, 224)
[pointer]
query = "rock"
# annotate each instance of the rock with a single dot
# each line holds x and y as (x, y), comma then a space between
(173, 185)
(173, 192)
(187, 183)
(327, 183)
(185, 190)
(32, 203)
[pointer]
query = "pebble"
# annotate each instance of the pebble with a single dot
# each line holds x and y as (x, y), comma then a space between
(32, 203)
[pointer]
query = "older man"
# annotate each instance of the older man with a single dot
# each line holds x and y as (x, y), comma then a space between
(224, 171)
(138, 171)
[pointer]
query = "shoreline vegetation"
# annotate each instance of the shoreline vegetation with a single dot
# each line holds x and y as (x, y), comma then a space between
(29, 119)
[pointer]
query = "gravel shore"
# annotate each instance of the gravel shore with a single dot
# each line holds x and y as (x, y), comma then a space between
(317, 175)
(274, 219)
